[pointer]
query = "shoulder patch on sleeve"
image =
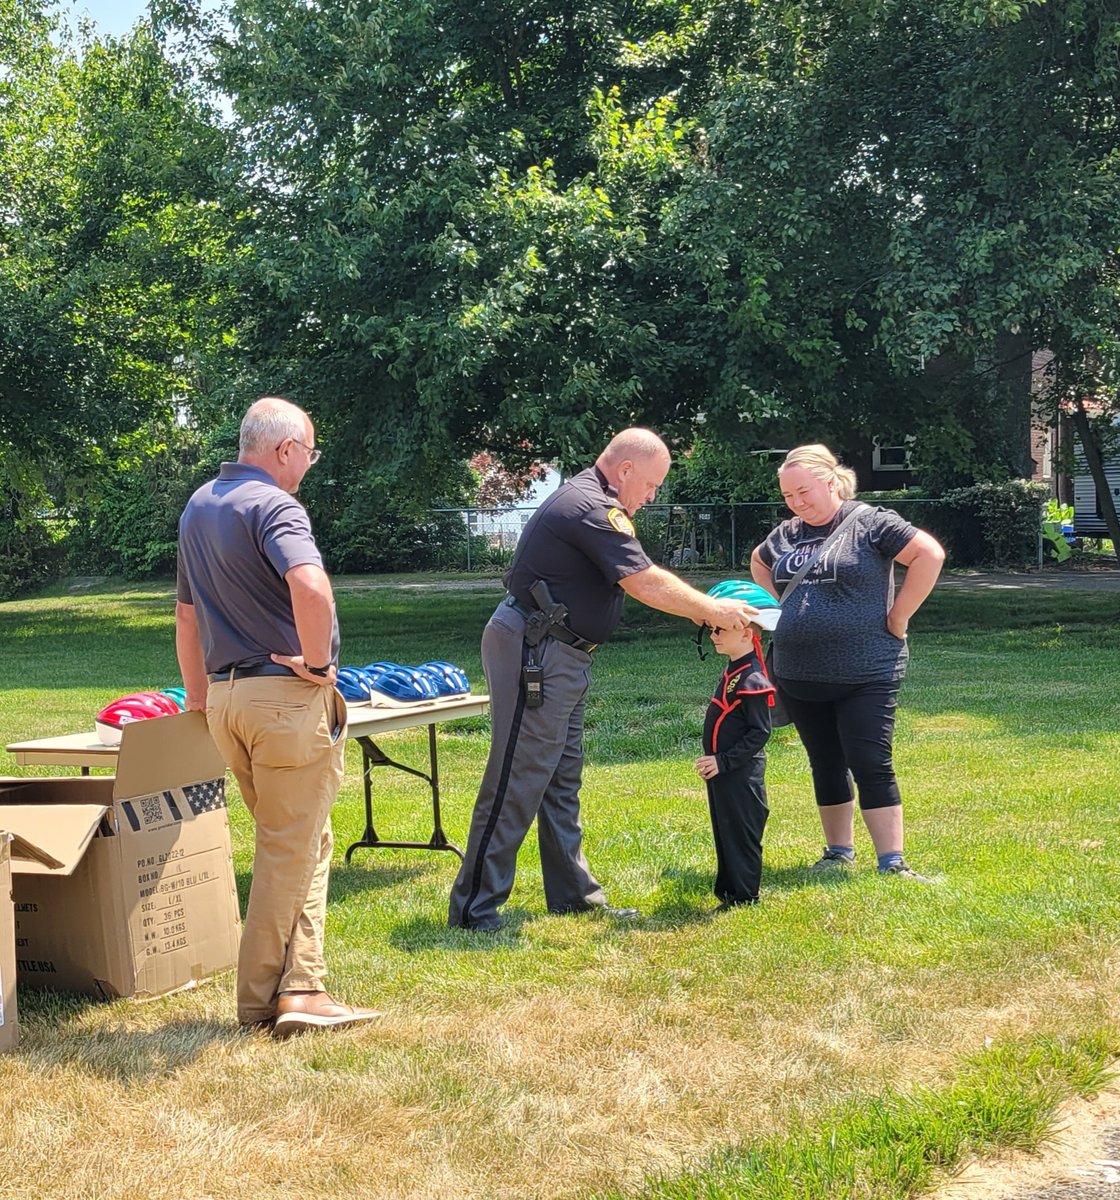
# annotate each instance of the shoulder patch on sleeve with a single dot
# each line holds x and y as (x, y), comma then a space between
(619, 521)
(752, 683)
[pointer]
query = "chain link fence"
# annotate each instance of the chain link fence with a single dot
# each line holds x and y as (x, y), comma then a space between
(720, 537)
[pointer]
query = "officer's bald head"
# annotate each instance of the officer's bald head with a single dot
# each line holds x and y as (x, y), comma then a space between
(634, 444)
(635, 462)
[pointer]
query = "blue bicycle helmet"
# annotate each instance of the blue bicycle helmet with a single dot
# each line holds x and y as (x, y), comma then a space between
(403, 684)
(353, 683)
(178, 694)
(450, 680)
(769, 610)
(375, 668)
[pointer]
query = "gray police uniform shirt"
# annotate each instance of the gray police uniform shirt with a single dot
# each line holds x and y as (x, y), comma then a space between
(581, 542)
(239, 535)
(833, 627)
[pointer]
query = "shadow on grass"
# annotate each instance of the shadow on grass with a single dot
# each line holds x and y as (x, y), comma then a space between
(791, 879)
(685, 896)
(424, 933)
(123, 1055)
(350, 880)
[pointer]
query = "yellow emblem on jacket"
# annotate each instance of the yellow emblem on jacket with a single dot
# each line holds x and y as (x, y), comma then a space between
(732, 683)
(619, 521)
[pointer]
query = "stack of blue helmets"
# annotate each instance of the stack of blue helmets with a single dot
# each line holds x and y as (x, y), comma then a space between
(405, 685)
(353, 683)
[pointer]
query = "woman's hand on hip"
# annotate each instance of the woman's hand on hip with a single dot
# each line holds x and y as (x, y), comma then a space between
(897, 625)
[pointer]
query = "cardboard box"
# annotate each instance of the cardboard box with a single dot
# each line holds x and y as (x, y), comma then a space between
(125, 886)
(10, 847)
(9, 1017)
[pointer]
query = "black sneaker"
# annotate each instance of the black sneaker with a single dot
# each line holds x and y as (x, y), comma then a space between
(903, 869)
(833, 860)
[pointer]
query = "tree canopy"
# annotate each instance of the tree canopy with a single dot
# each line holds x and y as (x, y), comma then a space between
(447, 230)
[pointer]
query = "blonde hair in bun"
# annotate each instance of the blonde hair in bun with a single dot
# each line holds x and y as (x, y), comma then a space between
(819, 460)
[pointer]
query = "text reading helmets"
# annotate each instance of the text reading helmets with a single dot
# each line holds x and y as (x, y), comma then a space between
(138, 706)
(750, 593)
(450, 680)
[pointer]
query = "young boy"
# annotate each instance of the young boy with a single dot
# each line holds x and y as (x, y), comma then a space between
(736, 728)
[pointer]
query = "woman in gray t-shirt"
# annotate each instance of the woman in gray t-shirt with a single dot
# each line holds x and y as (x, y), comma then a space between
(840, 647)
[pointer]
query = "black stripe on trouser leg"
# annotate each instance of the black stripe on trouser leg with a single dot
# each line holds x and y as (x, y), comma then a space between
(499, 799)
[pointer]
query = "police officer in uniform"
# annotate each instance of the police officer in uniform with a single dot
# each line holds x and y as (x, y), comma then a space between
(577, 560)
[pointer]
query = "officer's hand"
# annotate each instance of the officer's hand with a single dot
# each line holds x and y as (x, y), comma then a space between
(732, 614)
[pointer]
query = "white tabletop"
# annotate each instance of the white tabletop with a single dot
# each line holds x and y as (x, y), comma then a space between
(363, 720)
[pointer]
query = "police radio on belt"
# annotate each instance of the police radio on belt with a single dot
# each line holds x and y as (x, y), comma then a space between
(548, 615)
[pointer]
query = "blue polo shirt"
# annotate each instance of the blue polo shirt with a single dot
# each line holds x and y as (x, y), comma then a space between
(239, 535)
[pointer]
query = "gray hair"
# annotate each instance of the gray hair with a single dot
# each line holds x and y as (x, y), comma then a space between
(270, 421)
(634, 444)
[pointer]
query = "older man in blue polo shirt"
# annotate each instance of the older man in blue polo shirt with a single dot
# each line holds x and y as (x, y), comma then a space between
(257, 641)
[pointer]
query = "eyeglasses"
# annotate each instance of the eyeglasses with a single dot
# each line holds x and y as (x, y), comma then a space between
(313, 452)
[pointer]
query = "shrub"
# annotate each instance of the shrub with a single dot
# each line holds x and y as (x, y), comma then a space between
(131, 526)
(29, 556)
(991, 524)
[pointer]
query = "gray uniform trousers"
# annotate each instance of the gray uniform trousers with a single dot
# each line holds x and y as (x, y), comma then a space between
(534, 770)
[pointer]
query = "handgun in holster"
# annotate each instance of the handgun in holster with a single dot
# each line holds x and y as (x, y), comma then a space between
(538, 624)
(547, 614)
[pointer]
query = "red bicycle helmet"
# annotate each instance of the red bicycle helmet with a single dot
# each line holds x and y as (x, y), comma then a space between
(137, 707)
(163, 700)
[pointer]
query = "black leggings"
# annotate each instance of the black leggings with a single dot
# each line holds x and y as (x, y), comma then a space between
(846, 728)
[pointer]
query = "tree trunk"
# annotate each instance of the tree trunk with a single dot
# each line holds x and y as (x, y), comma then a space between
(1096, 470)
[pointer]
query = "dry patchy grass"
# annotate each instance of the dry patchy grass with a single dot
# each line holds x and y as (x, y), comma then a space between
(565, 1056)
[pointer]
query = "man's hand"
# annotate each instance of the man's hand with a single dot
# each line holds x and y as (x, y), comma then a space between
(707, 767)
(663, 590)
(731, 614)
(295, 661)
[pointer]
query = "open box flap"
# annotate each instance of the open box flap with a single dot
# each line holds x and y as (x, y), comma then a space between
(50, 839)
(27, 851)
(166, 752)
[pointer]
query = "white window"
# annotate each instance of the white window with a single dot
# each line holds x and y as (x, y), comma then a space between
(891, 458)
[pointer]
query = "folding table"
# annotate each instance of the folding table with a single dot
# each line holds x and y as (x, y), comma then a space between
(365, 723)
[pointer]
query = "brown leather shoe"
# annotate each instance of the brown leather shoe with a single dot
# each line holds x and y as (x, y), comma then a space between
(298, 1012)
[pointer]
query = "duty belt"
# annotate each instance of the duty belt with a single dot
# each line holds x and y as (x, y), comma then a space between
(560, 632)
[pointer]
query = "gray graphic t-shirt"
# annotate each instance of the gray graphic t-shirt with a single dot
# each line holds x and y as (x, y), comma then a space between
(833, 627)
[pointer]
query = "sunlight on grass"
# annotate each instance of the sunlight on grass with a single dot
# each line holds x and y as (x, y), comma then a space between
(844, 1037)
(952, 723)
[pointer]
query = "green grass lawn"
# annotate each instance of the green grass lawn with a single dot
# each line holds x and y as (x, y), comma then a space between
(850, 1037)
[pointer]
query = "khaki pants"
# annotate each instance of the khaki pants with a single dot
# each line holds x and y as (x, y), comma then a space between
(284, 739)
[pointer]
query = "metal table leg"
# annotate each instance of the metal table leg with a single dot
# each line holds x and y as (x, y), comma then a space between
(374, 756)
